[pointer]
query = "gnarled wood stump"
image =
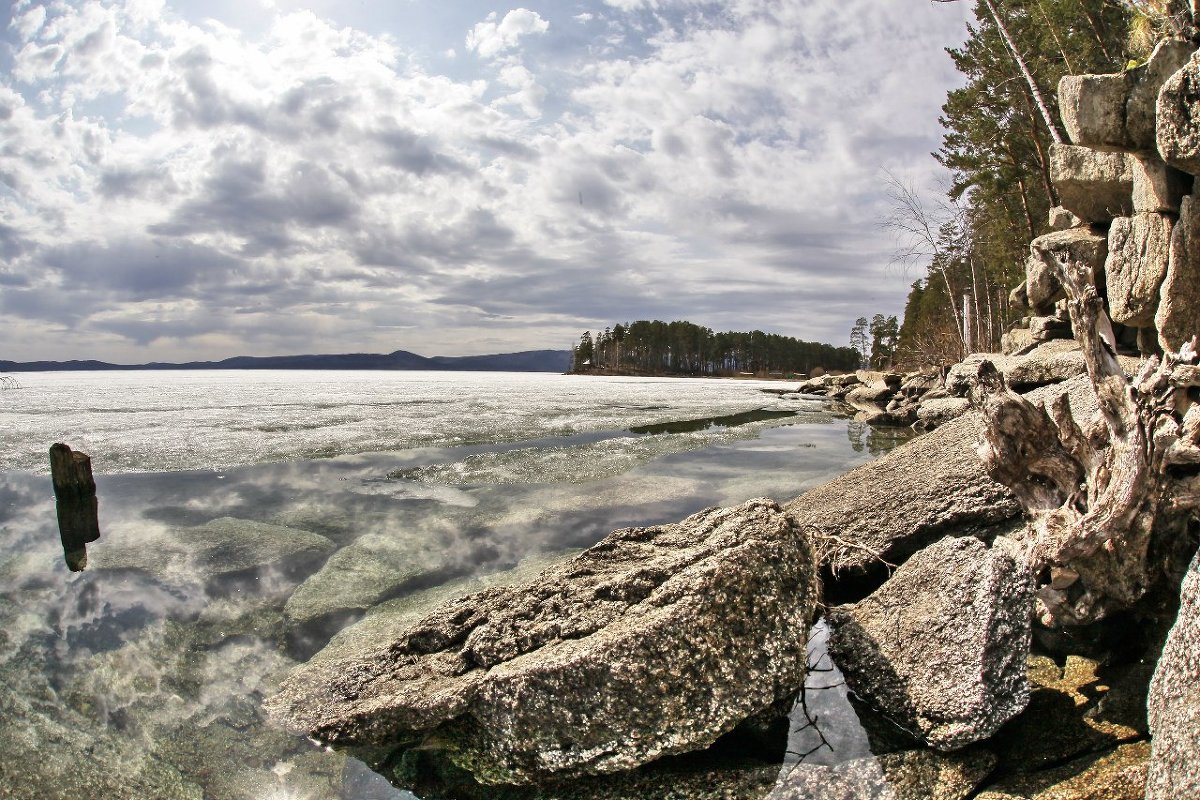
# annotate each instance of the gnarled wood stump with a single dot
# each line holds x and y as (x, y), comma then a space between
(1099, 499)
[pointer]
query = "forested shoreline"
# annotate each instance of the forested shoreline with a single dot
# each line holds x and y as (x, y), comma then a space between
(969, 247)
(682, 348)
(999, 127)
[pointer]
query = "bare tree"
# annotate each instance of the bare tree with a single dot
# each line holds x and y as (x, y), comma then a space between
(924, 238)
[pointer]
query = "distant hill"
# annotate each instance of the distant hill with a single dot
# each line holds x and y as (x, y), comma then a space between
(527, 361)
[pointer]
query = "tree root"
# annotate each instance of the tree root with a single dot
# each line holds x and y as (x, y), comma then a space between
(1096, 497)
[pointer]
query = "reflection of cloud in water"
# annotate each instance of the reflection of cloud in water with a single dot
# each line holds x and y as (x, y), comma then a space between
(195, 701)
(824, 726)
(167, 664)
(578, 463)
(601, 496)
(827, 746)
(446, 495)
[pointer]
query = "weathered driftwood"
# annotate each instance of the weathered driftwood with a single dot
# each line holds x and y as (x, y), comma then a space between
(1097, 496)
(75, 501)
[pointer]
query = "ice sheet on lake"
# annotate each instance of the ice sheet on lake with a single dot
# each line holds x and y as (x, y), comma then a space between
(145, 421)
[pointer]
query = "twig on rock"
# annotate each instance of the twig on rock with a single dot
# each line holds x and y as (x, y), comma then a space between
(825, 545)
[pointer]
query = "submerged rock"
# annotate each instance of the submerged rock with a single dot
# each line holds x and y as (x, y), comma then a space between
(384, 623)
(219, 548)
(654, 641)
(1118, 775)
(369, 570)
(909, 775)
(1174, 704)
(941, 647)
(53, 746)
(1081, 706)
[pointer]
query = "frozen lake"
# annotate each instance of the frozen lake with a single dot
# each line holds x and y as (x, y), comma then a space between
(249, 516)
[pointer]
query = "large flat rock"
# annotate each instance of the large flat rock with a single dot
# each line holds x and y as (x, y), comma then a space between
(930, 486)
(914, 495)
(1174, 704)
(941, 647)
(1093, 186)
(1092, 108)
(655, 641)
(1117, 111)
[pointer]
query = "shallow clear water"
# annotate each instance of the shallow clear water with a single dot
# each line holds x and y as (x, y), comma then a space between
(246, 517)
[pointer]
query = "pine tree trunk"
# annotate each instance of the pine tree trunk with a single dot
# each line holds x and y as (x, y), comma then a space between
(1025, 209)
(1096, 29)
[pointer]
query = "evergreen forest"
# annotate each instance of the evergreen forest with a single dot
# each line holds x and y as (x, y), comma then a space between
(971, 246)
(683, 348)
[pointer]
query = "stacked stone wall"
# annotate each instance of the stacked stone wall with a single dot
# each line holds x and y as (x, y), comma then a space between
(1126, 184)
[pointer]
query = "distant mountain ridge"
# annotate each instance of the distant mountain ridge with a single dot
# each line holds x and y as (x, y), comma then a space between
(525, 361)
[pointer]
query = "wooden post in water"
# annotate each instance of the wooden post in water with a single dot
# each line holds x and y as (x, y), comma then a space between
(75, 500)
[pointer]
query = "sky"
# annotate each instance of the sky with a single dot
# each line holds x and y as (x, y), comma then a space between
(197, 179)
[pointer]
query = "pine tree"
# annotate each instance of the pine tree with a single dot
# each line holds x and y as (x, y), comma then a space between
(999, 128)
(859, 342)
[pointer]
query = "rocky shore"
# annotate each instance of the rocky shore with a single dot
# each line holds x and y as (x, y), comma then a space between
(1005, 595)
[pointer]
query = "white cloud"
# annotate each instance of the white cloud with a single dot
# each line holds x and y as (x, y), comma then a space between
(490, 38)
(632, 5)
(27, 24)
(196, 189)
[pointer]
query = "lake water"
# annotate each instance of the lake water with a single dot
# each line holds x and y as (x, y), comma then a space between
(247, 517)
